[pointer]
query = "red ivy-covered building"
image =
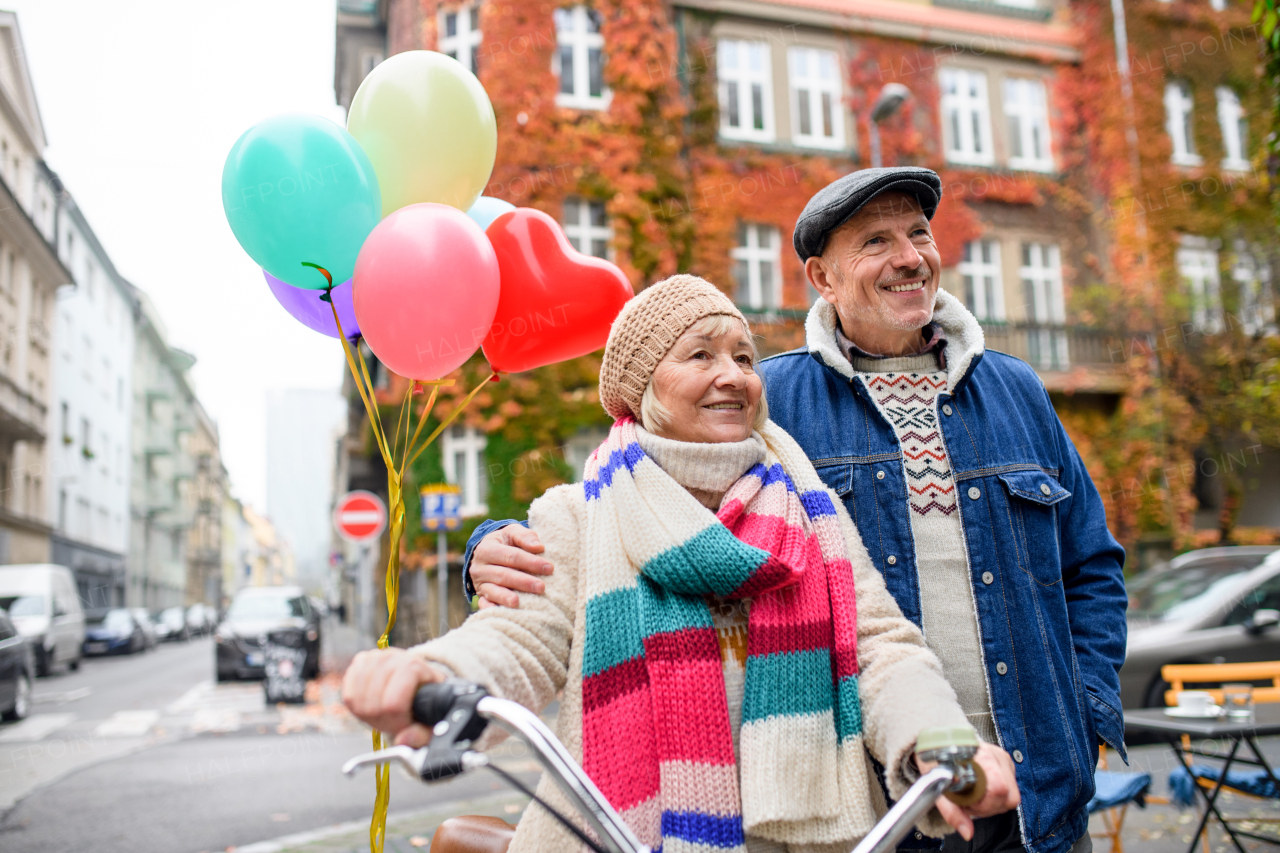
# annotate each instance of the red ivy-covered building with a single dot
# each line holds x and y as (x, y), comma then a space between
(1077, 221)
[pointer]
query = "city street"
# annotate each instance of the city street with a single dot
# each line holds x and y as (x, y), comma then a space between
(145, 753)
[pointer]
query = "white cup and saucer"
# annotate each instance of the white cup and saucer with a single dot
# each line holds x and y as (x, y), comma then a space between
(1194, 704)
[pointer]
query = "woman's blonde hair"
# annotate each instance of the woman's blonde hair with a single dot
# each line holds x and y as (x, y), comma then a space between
(654, 415)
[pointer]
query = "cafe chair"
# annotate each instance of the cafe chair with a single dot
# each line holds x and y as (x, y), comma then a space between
(1114, 792)
(1255, 783)
(1211, 676)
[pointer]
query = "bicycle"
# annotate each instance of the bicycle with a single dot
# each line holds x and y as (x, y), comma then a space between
(458, 712)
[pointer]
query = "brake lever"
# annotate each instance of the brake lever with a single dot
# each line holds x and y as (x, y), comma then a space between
(421, 762)
(413, 759)
(457, 724)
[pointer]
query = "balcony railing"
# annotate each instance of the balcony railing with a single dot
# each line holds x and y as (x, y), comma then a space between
(22, 416)
(1052, 348)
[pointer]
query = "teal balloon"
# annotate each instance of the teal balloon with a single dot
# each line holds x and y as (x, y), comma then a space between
(299, 189)
(486, 209)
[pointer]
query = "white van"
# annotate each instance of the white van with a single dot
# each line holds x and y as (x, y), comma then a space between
(42, 602)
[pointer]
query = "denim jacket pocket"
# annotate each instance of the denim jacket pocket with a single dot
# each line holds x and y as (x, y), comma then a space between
(839, 478)
(1033, 519)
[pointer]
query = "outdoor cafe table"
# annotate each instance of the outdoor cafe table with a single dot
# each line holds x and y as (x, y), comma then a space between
(1156, 722)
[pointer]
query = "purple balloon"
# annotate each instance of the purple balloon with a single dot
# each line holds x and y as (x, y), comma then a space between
(310, 310)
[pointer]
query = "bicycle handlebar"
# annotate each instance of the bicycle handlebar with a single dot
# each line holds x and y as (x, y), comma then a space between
(458, 711)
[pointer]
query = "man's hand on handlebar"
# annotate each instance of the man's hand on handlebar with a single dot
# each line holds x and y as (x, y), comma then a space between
(1002, 791)
(507, 560)
(379, 687)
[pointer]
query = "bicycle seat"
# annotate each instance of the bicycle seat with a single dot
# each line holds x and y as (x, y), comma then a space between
(473, 834)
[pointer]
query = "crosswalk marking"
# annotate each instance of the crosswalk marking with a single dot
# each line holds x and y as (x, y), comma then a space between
(244, 698)
(60, 698)
(35, 727)
(128, 724)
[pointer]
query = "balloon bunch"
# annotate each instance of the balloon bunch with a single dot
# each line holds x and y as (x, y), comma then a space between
(428, 270)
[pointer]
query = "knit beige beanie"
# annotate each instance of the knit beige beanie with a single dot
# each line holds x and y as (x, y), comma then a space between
(645, 330)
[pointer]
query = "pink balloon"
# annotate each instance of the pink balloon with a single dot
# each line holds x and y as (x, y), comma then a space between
(426, 290)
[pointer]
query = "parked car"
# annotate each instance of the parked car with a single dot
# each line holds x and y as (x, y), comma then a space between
(1215, 605)
(200, 619)
(113, 631)
(17, 669)
(171, 624)
(143, 618)
(42, 602)
(279, 614)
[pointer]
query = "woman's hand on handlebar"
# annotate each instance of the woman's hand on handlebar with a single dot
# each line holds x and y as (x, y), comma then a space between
(379, 688)
(1002, 791)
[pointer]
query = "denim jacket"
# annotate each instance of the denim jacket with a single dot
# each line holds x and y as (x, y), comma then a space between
(1046, 572)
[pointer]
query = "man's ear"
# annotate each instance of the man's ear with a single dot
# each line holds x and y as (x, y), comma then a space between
(819, 275)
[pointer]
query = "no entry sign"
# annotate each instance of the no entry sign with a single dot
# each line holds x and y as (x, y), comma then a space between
(360, 516)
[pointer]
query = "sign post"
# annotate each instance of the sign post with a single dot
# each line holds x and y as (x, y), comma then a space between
(361, 517)
(441, 512)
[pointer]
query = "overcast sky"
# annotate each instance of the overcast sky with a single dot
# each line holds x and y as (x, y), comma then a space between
(141, 102)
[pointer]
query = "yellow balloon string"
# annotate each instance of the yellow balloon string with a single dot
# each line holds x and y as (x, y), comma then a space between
(395, 511)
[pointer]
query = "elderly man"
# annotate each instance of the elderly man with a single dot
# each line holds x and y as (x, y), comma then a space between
(968, 493)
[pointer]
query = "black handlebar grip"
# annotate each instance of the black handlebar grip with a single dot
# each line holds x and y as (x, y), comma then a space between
(432, 701)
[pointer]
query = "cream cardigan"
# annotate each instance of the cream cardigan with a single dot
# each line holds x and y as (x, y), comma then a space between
(532, 653)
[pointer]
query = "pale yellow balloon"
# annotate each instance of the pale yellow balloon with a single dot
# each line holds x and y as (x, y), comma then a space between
(428, 128)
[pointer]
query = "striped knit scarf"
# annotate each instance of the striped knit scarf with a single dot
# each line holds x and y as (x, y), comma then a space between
(656, 731)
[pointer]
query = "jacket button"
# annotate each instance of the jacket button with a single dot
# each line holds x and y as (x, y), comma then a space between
(1017, 755)
(974, 493)
(946, 410)
(1044, 489)
(893, 561)
(988, 578)
(1002, 667)
(918, 835)
(879, 475)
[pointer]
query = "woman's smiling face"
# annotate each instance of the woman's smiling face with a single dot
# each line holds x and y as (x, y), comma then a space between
(708, 385)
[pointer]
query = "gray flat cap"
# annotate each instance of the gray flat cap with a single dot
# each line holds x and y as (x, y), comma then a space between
(832, 205)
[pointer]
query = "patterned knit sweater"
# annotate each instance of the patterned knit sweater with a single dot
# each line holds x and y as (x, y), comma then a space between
(905, 391)
(533, 653)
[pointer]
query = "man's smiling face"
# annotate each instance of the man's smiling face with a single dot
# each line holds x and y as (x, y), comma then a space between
(880, 270)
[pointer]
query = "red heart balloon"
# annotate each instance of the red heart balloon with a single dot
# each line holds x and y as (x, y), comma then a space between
(555, 302)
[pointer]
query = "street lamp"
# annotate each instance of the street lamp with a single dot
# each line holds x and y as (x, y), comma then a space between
(887, 103)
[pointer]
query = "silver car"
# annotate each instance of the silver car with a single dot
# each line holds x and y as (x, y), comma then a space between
(1215, 605)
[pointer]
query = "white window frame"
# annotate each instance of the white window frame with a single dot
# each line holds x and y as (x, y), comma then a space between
(369, 60)
(1179, 112)
(984, 290)
(1235, 130)
(1026, 111)
(812, 74)
(752, 293)
(471, 444)
(582, 233)
(1040, 271)
(737, 81)
(966, 116)
(464, 43)
(581, 42)
(1197, 261)
(1251, 270)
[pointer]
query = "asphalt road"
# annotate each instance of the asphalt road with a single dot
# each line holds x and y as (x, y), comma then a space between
(146, 753)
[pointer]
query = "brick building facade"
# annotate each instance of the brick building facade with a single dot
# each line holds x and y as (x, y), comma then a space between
(1076, 221)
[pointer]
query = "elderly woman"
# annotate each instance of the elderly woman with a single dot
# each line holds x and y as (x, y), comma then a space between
(728, 655)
